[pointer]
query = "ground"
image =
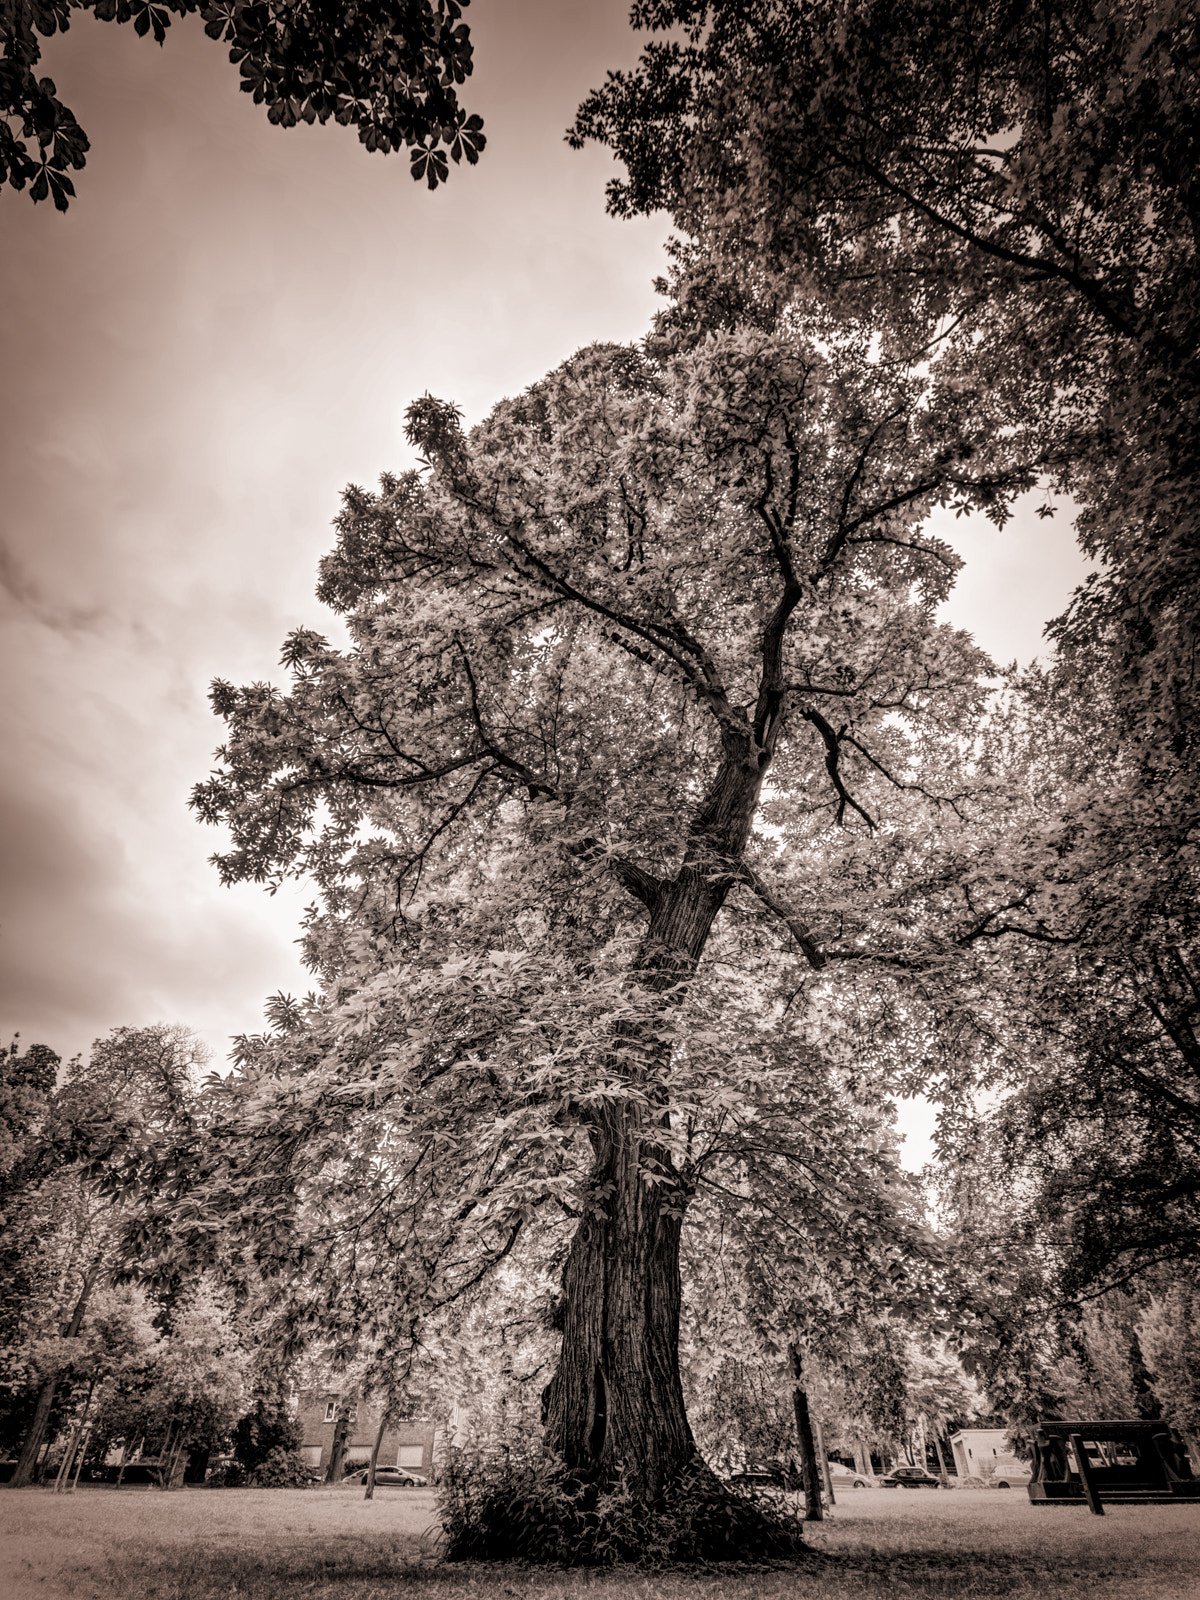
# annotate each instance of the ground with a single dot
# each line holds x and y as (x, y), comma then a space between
(330, 1544)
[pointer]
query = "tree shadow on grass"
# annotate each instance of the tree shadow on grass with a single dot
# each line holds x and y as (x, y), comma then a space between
(409, 1570)
(340, 1566)
(960, 1575)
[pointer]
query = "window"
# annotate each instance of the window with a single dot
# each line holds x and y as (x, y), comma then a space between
(411, 1455)
(331, 1411)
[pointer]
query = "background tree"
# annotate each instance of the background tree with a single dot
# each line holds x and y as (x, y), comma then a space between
(1096, 1056)
(391, 70)
(111, 1360)
(163, 1383)
(266, 1428)
(133, 1091)
(939, 1399)
(805, 1258)
(1020, 189)
(1168, 1332)
(66, 1259)
(27, 1082)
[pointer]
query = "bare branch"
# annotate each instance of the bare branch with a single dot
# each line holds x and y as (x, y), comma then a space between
(797, 929)
(832, 744)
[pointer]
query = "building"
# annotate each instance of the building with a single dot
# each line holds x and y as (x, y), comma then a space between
(977, 1450)
(408, 1442)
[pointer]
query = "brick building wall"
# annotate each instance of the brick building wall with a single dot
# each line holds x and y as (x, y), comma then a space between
(408, 1442)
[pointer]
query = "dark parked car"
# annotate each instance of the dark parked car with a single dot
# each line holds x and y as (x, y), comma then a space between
(757, 1480)
(389, 1478)
(910, 1478)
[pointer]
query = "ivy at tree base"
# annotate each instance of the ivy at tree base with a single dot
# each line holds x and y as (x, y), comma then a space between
(509, 1507)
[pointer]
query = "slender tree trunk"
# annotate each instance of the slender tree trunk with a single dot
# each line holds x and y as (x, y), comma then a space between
(68, 1460)
(826, 1476)
(810, 1474)
(177, 1464)
(943, 1471)
(383, 1422)
(337, 1454)
(78, 1434)
(82, 1457)
(27, 1460)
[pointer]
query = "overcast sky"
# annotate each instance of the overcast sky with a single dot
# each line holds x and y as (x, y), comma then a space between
(222, 332)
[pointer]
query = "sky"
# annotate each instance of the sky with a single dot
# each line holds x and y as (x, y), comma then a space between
(222, 332)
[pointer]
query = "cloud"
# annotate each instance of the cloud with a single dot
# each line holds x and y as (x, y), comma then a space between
(221, 333)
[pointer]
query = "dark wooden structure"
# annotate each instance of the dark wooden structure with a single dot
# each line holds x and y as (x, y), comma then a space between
(1089, 1461)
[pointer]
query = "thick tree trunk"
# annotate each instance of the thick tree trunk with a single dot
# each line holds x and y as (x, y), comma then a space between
(616, 1398)
(31, 1448)
(810, 1472)
(615, 1405)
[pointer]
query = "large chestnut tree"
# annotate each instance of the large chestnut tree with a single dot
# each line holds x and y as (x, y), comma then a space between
(642, 807)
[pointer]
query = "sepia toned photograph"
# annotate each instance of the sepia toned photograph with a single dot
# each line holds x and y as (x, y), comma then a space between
(600, 799)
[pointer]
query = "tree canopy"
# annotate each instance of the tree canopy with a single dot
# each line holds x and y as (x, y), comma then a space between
(647, 727)
(1008, 192)
(392, 70)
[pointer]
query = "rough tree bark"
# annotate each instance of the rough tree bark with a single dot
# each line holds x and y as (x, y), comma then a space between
(616, 1400)
(616, 1396)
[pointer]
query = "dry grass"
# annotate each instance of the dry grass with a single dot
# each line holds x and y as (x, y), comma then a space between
(332, 1545)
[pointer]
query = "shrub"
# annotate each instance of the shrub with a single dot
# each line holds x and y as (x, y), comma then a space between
(263, 1431)
(506, 1503)
(282, 1469)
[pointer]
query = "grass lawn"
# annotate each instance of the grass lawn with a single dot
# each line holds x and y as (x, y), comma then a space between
(330, 1544)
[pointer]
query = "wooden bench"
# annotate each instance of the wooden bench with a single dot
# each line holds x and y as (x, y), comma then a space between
(1092, 1461)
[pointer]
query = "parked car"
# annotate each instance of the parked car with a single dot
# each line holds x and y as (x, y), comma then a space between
(390, 1478)
(910, 1478)
(761, 1478)
(845, 1477)
(1009, 1473)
